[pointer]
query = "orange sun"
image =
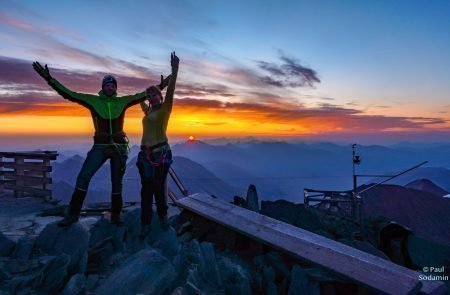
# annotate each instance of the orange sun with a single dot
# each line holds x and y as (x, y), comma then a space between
(191, 138)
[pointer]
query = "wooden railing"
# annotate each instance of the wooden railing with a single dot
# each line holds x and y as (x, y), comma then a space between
(27, 172)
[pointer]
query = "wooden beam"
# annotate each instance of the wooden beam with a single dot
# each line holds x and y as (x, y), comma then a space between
(35, 180)
(2, 181)
(26, 189)
(178, 182)
(46, 174)
(30, 155)
(19, 172)
(27, 166)
(357, 265)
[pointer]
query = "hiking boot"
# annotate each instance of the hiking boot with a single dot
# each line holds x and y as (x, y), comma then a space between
(164, 221)
(73, 212)
(116, 208)
(145, 231)
(68, 220)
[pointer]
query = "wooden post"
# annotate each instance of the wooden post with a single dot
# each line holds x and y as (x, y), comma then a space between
(46, 174)
(18, 171)
(31, 177)
(1, 174)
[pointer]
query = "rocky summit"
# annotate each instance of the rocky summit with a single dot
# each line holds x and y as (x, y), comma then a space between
(194, 256)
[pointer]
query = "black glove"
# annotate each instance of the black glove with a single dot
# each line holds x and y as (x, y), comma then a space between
(174, 62)
(43, 72)
(164, 82)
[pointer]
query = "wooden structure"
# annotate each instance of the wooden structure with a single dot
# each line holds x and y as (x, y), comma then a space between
(364, 268)
(341, 203)
(27, 172)
(178, 183)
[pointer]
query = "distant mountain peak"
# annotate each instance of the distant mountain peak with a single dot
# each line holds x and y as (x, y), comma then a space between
(75, 158)
(427, 185)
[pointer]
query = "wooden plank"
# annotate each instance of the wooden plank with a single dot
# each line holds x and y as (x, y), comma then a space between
(26, 189)
(26, 166)
(4, 172)
(2, 181)
(35, 180)
(360, 266)
(30, 155)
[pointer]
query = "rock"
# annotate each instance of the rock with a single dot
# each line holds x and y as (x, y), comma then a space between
(165, 241)
(72, 240)
(295, 214)
(186, 237)
(92, 282)
(98, 256)
(193, 289)
(177, 291)
(271, 289)
(133, 225)
(364, 246)
(75, 286)
(54, 274)
(199, 258)
(3, 276)
(194, 281)
(239, 201)
(236, 277)
(104, 229)
(212, 267)
(146, 272)
(54, 211)
(301, 283)
(17, 267)
(20, 284)
(24, 248)
(425, 253)
(269, 275)
(106, 239)
(274, 259)
(6, 245)
(179, 259)
(252, 201)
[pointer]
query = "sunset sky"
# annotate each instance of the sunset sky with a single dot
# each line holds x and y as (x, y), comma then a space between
(279, 69)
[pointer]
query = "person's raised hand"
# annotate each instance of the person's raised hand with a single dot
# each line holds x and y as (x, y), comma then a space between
(43, 72)
(164, 82)
(174, 61)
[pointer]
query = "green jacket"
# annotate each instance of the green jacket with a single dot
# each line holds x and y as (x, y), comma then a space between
(107, 112)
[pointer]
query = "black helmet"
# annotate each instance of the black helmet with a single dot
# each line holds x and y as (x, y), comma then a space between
(109, 79)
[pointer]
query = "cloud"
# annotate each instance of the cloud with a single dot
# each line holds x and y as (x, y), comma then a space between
(289, 73)
(17, 23)
(24, 92)
(197, 89)
(341, 117)
(20, 74)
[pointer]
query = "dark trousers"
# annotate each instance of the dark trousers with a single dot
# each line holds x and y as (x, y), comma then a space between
(96, 157)
(154, 183)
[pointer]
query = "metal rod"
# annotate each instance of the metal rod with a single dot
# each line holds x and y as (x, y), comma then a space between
(373, 175)
(392, 177)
